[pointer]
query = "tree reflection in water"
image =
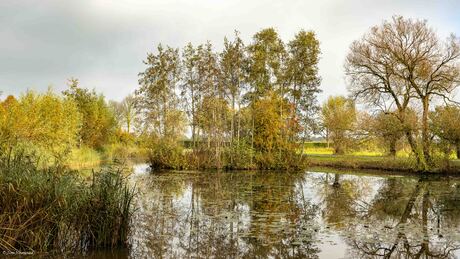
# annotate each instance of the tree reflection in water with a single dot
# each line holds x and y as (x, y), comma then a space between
(292, 215)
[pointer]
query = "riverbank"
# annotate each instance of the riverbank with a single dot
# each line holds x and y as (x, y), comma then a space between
(84, 157)
(400, 164)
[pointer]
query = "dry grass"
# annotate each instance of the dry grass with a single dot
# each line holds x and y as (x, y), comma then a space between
(54, 210)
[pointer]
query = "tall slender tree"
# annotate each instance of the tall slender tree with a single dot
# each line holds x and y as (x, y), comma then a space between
(265, 71)
(266, 56)
(125, 112)
(190, 87)
(157, 94)
(302, 79)
(233, 74)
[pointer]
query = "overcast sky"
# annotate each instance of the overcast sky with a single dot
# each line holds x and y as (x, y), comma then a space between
(103, 43)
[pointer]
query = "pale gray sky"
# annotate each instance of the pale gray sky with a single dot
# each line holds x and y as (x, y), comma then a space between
(103, 42)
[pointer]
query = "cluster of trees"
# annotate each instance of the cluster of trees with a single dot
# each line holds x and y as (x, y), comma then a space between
(51, 125)
(403, 69)
(348, 129)
(248, 106)
(40, 121)
(253, 105)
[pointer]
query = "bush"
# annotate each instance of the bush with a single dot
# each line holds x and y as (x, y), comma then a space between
(166, 154)
(238, 155)
(49, 210)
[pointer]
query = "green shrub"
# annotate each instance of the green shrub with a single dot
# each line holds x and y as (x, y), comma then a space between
(164, 154)
(238, 155)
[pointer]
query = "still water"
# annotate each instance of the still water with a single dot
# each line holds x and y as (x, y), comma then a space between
(294, 215)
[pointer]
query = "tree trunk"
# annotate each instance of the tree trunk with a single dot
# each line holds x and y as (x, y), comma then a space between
(193, 120)
(458, 150)
(336, 180)
(337, 150)
(302, 148)
(393, 148)
(164, 117)
(252, 136)
(232, 122)
(425, 133)
(410, 139)
(413, 147)
(232, 128)
(239, 120)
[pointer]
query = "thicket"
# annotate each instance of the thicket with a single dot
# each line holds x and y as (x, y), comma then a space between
(77, 127)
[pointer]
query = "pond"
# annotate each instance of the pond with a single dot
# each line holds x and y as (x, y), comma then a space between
(294, 215)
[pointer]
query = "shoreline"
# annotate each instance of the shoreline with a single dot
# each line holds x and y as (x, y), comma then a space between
(378, 163)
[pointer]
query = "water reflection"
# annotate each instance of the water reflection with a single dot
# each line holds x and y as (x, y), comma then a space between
(294, 215)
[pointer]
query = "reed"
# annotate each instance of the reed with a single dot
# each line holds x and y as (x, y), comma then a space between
(55, 210)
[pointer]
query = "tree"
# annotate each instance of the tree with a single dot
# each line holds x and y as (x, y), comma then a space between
(339, 115)
(272, 148)
(213, 124)
(125, 112)
(265, 67)
(98, 121)
(389, 129)
(158, 102)
(445, 123)
(302, 80)
(232, 75)
(190, 88)
(157, 93)
(401, 60)
(266, 56)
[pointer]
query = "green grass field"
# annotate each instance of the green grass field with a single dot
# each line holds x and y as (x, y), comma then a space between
(369, 160)
(320, 155)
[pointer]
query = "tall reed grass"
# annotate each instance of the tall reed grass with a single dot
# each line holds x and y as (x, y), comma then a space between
(55, 210)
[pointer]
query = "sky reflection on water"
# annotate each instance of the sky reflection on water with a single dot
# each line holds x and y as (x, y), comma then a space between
(294, 215)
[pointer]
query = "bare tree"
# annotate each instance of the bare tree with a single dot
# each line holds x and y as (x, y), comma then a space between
(125, 112)
(403, 60)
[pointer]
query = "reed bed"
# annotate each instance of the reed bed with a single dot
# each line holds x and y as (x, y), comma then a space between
(55, 210)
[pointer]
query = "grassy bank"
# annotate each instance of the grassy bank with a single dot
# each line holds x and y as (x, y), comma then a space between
(84, 157)
(55, 210)
(403, 164)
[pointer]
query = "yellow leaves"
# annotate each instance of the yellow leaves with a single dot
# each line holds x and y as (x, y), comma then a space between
(339, 113)
(42, 120)
(272, 131)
